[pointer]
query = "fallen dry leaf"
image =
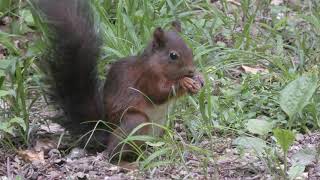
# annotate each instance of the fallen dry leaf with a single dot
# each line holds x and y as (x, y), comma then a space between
(254, 70)
(32, 156)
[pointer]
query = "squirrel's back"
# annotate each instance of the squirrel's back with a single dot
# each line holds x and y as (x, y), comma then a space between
(73, 52)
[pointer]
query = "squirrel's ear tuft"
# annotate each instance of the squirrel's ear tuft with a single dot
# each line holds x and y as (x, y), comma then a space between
(176, 25)
(158, 38)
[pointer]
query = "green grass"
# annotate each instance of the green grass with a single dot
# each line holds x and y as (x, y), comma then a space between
(283, 39)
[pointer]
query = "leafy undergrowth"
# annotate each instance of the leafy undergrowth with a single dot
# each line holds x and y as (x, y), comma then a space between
(256, 118)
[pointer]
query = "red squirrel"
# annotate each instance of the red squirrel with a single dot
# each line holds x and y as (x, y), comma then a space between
(137, 89)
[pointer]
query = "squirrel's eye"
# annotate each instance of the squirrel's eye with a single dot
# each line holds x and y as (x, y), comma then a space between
(173, 55)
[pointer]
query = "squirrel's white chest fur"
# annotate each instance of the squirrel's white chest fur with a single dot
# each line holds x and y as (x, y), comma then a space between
(158, 115)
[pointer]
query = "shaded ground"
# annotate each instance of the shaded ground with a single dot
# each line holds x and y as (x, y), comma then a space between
(230, 165)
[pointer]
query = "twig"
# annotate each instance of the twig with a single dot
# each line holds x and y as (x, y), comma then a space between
(9, 175)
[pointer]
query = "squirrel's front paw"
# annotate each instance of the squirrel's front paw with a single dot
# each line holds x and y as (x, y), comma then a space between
(190, 85)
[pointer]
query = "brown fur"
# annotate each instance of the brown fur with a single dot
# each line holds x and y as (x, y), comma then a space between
(141, 82)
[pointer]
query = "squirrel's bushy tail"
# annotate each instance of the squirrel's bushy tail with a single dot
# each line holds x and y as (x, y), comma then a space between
(73, 52)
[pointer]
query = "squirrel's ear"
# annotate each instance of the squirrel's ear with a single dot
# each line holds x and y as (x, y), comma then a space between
(158, 38)
(176, 25)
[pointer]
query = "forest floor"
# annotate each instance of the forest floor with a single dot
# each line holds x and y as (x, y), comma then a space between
(43, 161)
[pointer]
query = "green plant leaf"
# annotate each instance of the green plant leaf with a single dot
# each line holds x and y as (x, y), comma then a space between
(285, 138)
(5, 40)
(5, 93)
(251, 143)
(4, 64)
(5, 127)
(296, 171)
(257, 126)
(297, 94)
(19, 121)
(4, 5)
(8, 126)
(19, 28)
(305, 156)
(27, 16)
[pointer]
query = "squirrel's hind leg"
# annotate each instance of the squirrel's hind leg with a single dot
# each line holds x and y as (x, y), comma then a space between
(130, 120)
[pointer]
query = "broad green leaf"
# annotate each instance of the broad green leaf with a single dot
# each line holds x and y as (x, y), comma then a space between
(297, 94)
(5, 93)
(296, 171)
(4, 5)
(4, 64)
(19, 121)
(251, 143)
(305, 156)
(195, 127)
(285, 138)
(261, 127)
(8, 126)
(19, 28)
(2, 73)
(27, 16)
(5, 40)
